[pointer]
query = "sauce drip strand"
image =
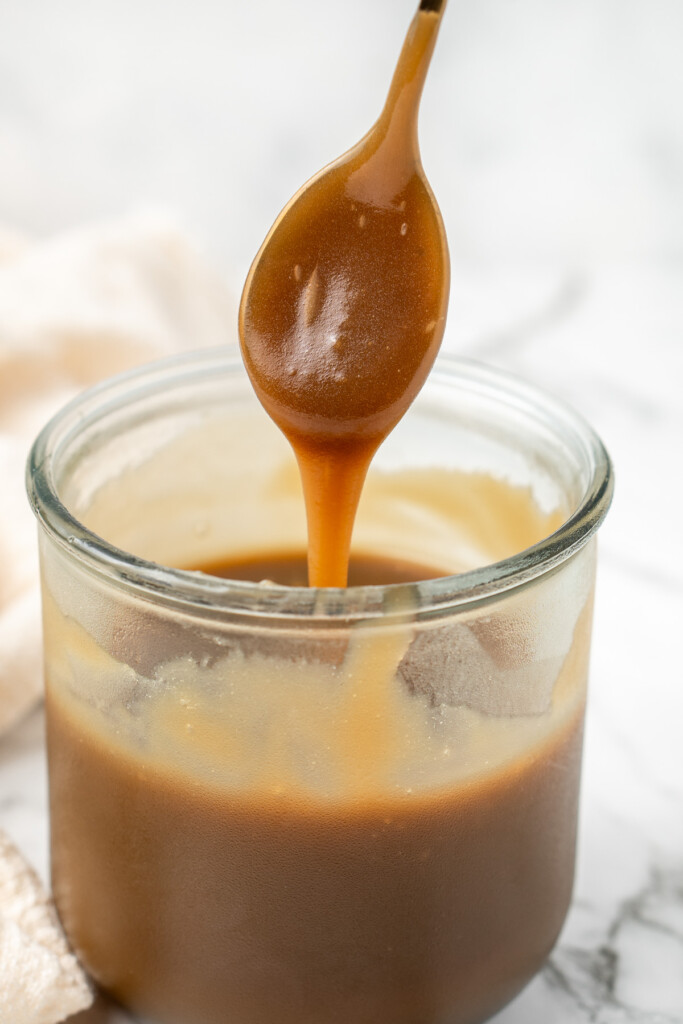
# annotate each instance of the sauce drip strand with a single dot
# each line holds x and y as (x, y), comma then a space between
(344, 307)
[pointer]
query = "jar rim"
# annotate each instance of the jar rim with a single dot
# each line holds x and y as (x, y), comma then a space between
(216, 597)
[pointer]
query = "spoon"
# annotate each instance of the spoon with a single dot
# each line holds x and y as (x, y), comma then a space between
(344, 306)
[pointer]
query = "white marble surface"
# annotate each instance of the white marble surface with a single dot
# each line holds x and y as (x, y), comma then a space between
(620, 957)
(553, 137)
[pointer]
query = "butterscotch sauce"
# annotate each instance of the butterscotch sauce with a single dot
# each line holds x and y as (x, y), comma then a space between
(290, 569)
(197, 902)
(344, 308)
(377, 828)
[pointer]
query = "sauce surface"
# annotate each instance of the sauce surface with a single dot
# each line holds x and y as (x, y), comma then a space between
(290, 569)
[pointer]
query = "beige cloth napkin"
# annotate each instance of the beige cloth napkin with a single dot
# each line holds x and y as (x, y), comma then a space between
(73, 310)
(41, 981)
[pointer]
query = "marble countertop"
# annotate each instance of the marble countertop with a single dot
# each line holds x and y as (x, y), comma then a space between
(609, 340)
(567, 273)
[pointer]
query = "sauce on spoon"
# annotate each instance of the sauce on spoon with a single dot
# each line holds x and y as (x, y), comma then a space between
(344, 307)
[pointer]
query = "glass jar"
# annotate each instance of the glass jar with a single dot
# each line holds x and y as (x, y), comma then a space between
(276, 804)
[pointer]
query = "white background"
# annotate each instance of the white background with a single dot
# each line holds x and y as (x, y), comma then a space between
(552, 129)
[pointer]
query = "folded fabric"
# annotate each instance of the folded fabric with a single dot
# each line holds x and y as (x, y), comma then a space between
(74, 310)
(41, 982)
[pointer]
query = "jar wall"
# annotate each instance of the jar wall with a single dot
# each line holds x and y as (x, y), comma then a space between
(281, 805)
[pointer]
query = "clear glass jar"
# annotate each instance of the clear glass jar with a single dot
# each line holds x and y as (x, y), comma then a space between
(272, 804)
